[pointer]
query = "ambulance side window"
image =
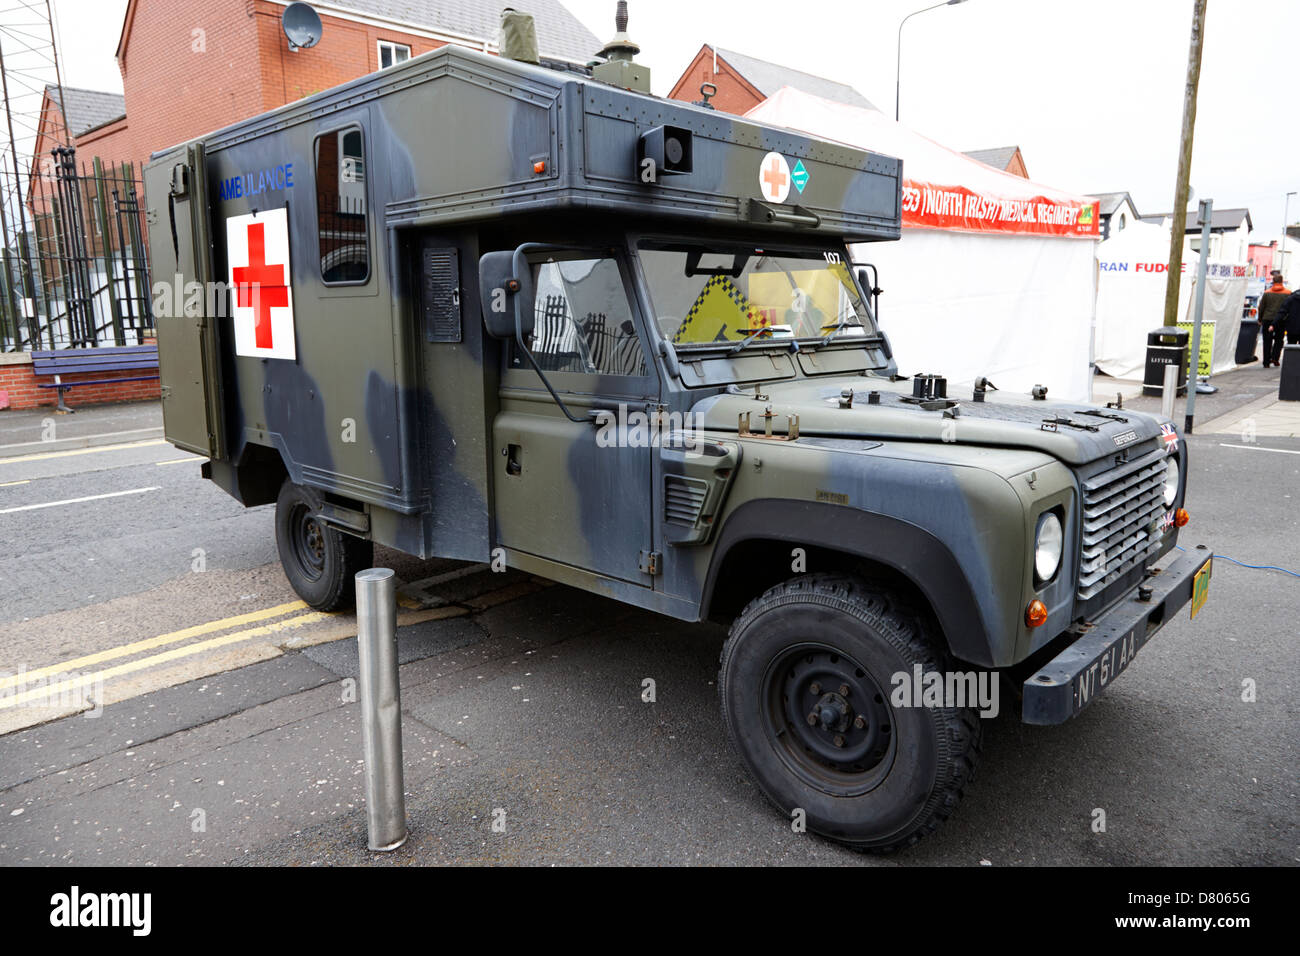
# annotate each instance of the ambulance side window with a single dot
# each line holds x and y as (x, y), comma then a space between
(342, 217)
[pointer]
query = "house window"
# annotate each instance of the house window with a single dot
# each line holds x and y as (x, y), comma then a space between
(391, 54)
(1123, 221)
(342, 223)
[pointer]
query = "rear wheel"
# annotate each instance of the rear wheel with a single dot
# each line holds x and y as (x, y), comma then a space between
(319, 560)
(805, 684)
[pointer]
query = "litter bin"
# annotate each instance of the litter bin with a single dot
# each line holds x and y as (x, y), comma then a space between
(1288, 389)
(1165, 346)
(1246, 340)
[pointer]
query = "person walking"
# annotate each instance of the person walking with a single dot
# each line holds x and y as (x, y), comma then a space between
(1269, 312)
(1288, 321)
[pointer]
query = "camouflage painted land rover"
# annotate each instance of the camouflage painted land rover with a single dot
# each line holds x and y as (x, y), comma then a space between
(470, 306)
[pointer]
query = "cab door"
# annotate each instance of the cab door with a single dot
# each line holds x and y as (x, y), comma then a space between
(580, 493)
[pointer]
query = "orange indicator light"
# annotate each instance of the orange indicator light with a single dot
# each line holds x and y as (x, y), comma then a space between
(1036, 614)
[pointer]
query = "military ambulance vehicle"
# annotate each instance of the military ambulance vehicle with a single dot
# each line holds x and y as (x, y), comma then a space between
(479, 307)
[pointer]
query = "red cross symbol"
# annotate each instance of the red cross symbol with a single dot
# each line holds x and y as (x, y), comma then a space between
(260, 284)
(774, 177)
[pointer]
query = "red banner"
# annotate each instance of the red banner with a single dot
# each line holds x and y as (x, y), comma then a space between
(928, 206)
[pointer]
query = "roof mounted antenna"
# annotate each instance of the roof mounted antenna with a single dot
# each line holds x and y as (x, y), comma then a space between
(619, 68)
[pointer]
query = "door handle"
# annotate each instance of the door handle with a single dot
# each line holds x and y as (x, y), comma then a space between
(513, 467)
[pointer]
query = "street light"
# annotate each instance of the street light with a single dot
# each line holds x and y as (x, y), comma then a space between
(1281, 256)
(898, 60)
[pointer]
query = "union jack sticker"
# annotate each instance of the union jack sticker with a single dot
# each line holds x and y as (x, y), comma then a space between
(1167, 521)
(1170, 436)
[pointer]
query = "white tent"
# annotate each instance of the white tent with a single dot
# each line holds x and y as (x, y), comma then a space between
(995, 275)
(1132, 277)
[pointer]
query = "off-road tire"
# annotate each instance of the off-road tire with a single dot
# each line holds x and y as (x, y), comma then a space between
(320, 561)
(912, 776)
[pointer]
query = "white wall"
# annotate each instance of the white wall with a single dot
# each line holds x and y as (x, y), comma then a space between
(1231, 246)
(1125, 211)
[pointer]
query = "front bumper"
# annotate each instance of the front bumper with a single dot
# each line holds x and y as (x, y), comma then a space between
(1106, 646)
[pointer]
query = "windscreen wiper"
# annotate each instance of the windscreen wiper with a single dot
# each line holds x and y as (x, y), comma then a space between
(747, 339)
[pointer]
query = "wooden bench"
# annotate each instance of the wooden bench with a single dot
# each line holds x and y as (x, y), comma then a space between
(62, 362)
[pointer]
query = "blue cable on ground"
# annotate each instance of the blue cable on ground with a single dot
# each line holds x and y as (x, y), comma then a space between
(1253, 567)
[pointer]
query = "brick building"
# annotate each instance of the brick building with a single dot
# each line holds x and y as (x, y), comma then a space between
(1262, 258)
(221, 61)
(91, 115)
(193, 68)
(744, 81)
(1006, 158)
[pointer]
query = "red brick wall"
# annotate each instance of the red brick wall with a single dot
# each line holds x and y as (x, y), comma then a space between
(1016, 166)
(175, 91)
(735, 93)
(187, 69)
(112, 143)
(24, 391)
(346, 51)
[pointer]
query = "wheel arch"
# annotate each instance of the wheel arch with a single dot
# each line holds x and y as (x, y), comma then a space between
(254, 478)
(753, 552)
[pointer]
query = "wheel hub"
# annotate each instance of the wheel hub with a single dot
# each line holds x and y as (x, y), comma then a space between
(308, 543)
(830, 718)
(832, 713)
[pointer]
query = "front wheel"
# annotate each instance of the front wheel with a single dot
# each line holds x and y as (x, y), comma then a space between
(805, 683)
(320, 561)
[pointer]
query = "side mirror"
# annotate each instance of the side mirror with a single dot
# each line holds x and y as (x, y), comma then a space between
(505, 295)
(508, 294)
(867, 277)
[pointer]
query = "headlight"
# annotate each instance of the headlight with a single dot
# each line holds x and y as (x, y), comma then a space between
(1171, 482)
(1049, 544)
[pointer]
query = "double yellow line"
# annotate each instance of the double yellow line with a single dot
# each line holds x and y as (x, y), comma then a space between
(94, 450)
(54, 690)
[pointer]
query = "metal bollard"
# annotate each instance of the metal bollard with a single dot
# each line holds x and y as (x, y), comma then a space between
(1171, 389)
(381, 708)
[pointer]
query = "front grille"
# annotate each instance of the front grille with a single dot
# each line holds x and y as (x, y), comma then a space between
(683, 499)
(1122, 511)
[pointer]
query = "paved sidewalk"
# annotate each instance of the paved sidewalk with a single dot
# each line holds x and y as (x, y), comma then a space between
(33, 430)
(1266, 417)
(1247, 393)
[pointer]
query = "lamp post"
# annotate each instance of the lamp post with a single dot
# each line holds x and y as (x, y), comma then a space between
(898, 60)
(1286, 211)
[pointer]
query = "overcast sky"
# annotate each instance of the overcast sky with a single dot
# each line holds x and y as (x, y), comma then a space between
(1090, 90)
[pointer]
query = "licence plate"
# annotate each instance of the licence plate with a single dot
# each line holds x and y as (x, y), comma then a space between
(1201, 588)
(1108, 665)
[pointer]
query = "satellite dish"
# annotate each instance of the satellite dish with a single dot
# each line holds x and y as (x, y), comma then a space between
(301, 24)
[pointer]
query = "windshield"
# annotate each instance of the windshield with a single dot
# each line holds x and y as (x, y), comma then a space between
(703, 295)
